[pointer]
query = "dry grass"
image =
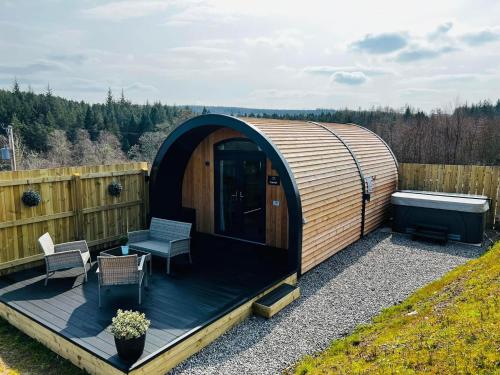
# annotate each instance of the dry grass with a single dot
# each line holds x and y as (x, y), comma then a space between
(450, 326)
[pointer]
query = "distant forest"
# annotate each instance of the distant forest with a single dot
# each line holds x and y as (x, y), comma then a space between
(52, 131)
(467, 134)
(82, 133)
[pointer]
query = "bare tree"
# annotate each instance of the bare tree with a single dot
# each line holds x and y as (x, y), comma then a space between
(108, 149)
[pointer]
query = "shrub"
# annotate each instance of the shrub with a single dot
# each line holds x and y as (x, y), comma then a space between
(129, 324)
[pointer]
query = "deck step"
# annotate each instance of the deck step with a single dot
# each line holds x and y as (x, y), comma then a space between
(274, 301)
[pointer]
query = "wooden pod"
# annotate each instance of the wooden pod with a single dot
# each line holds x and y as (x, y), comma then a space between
(336, 181)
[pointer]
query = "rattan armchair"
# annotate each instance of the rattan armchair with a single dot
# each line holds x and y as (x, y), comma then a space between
(122, 270)
(63, 256)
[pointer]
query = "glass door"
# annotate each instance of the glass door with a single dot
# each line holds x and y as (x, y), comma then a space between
(240, 191)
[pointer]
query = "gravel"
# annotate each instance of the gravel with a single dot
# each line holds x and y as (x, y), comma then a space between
(350, 288)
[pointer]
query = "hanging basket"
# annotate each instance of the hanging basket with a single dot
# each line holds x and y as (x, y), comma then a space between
(31, 198)
(115, 188)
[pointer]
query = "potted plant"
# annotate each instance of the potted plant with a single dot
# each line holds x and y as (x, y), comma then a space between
(123, 244)
(129, 329)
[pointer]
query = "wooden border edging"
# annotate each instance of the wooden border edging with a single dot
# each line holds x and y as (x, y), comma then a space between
(58, 344)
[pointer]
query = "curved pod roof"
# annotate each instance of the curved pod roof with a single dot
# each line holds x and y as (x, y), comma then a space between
(322, 167)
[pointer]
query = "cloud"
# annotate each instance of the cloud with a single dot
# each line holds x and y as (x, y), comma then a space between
(444, 78)
(138, 86)
(441, 30)
(122, 10)
(380, 43)
(481, 37)
(423, 53)
(198, 12)
(329, 70)
(199, 50)
(285, 94)
(85, 85)
(74, 58)
(349, 78)
(33, 68)
(281, 40)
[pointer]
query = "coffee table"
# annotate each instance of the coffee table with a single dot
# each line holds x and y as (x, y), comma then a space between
(117, 252)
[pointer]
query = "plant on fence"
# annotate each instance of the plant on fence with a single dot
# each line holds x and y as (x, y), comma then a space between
(129, 329)
(115, 188)
(31, 198)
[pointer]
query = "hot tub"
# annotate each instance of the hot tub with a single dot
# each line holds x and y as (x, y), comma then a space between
(460, 217)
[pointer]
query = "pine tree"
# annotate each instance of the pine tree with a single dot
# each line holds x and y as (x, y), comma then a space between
(123, 101)
(15, 88)
(145, 124)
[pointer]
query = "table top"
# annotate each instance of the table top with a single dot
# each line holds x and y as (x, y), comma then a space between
(117, 251)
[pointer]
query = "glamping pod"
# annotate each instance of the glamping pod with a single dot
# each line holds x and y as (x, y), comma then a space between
(307, 188)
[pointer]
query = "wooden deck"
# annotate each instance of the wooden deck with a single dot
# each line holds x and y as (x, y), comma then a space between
(198, 302)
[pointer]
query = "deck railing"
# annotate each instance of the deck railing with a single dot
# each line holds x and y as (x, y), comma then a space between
(75, 204)
(466, 179)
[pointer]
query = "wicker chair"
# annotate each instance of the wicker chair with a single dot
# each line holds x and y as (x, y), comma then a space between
(164, 238)
(63, 256)
(122, 270)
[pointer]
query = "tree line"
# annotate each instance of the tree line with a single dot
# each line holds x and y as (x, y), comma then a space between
(52, 131)
(45, 122)
(465, 134)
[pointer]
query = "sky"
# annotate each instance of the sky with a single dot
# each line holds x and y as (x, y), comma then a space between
(261, 53)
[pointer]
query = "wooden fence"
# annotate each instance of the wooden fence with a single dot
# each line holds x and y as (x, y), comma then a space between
(466, 179)
(75, 205)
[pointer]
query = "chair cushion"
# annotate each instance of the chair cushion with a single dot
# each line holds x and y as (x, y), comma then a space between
(85, 257)
(46, 244)
(152, 246)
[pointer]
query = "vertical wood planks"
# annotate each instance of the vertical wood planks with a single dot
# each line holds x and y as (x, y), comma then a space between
(465, 179)
(75, 205)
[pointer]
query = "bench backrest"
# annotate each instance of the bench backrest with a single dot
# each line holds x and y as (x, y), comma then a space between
(163, 229)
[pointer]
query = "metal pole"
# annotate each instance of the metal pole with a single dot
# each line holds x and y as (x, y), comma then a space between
(10, 134)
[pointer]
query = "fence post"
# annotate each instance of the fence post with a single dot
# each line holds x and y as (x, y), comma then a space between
(145, 196)
(76, 187)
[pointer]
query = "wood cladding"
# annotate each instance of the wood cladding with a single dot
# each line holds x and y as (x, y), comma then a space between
(198, 191)
(327, 177)
(377, 162)
(329, 181)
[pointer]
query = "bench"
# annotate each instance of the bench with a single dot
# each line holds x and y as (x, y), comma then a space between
(164, 238)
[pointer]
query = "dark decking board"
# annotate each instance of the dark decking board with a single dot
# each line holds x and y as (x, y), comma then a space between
(224, 275)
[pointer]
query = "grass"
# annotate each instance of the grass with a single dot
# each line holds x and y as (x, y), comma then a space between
(19, 354)
(451, 326)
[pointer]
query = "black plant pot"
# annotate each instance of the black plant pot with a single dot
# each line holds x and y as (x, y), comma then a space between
(130, 350)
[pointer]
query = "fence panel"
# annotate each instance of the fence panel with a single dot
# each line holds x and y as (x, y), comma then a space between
(466, 179)
(75, 205)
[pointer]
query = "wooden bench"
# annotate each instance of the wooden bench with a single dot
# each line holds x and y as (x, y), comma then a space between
(164, 238)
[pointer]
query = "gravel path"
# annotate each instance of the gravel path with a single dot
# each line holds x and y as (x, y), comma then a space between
(348, 289)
